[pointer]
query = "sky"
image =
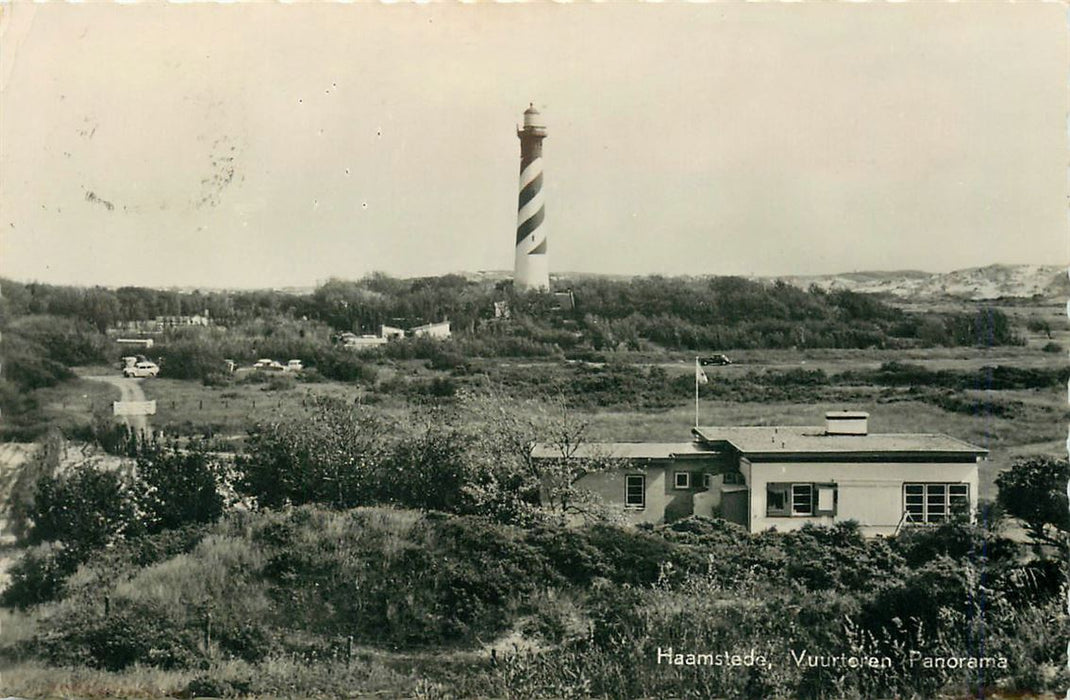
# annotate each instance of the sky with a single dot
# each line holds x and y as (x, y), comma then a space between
(275, 145)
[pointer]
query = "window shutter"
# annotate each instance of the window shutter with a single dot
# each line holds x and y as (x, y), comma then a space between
(826, 499)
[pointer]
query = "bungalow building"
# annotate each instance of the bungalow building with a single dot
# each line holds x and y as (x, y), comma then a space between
(785, 476)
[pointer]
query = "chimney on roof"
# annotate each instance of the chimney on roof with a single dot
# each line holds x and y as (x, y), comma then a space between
(846, 423)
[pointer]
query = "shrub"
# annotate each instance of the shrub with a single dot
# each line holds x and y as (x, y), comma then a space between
(280, 382)
(217, 379)
(329, 457)
(39, 575)
(85, 509)
(133, 634)
(182, 486)
(1033, 490)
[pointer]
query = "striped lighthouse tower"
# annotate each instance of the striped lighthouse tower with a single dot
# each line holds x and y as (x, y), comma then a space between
(532, 270)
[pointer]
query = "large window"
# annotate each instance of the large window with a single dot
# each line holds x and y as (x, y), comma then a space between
(635, 491)
(935, 503)
(785, 500)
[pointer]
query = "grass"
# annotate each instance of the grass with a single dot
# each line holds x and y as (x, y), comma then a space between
(68, 406)
(185, 407)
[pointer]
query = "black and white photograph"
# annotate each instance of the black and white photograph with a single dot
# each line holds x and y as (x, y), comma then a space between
(534, 350)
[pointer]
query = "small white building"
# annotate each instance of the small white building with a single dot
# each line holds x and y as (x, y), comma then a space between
(783, 477)
(359, 342)
(431, 330)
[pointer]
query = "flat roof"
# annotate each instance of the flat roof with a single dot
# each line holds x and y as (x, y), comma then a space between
(628, 450)
(813, 440)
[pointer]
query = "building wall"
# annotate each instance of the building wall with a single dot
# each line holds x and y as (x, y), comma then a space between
(363, 341)
(870, 493)
(610, 487)
(433, 330)
(664, 502)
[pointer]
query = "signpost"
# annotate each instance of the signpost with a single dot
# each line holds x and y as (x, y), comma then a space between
(133, 408)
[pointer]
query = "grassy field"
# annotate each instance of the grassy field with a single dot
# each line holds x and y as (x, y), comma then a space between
(1037, 426)
(69, 407)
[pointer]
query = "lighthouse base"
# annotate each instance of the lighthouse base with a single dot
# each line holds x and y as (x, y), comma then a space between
(532, 272)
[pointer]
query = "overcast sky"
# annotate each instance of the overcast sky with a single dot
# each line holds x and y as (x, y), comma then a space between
(279, 145)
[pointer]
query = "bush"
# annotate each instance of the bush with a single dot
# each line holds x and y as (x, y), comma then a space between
(281, 382)
(182, 486)
(217, 379)
(329, 457)
(1052, 347)
(85, 509)
(39, 575)
(132, 635)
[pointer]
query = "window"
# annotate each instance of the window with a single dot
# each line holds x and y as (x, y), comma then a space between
(934, 503)
(635, 491)
(682, 480)
(800, 500)
(727, 479)
(776, 500)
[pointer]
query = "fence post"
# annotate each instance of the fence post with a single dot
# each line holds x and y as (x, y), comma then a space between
(200, 404)
(207, 632)
(107, 605)
(349, 649)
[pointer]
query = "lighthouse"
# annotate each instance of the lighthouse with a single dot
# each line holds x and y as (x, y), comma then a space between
(532, 271)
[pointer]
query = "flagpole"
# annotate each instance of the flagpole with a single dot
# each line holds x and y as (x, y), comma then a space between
(696, 391)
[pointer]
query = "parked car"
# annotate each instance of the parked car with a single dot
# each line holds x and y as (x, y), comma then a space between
(715, 360)
(266, 365)
(294, 366)
(142, 369)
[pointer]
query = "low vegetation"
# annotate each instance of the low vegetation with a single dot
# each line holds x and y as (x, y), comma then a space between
(363, 543)
(375, 523)
(588, 607)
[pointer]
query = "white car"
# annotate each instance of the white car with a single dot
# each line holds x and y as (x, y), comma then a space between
(294, 366)
(266, 365)
(142, 369)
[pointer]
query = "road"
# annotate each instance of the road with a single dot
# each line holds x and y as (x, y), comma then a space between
(130, 390)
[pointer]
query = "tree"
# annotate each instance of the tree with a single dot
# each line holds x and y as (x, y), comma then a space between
(430, 466)
(507, 432)
(180, 486)
(329, 457)
(1034, 490)
(86, 509)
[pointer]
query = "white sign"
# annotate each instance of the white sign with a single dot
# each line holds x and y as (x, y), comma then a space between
(133, 408)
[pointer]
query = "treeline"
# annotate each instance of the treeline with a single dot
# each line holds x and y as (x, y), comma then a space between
(103, 307)
(677, 313)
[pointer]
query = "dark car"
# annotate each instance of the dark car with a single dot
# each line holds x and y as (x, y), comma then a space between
(715, 360)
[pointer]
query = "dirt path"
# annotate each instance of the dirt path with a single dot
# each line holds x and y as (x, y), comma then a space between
(130, 390)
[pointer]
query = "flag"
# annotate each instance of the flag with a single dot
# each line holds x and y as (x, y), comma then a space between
(700, 374)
